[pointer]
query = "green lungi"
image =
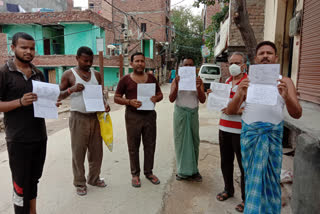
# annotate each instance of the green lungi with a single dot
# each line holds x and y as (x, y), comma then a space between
(186, 140)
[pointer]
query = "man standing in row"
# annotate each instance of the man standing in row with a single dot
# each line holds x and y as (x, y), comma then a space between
(139, 122)
(229, 132)
(186, 126)
(84, 126)
(26, 135)
(261, 138)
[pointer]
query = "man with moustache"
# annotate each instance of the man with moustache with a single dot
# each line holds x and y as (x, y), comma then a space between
(229, 132)
(139, 123)
(26, 135)
(261, 137)
(84, 126)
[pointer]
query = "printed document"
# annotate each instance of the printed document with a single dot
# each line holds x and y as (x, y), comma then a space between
(219, 97)
(45, 106)
(263, 84)
(93, 98)
(187, 78)
(145, 92)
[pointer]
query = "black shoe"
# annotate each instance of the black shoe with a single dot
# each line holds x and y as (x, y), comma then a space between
(179, 178)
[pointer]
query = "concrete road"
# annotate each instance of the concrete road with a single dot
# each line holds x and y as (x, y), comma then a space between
(57, 194)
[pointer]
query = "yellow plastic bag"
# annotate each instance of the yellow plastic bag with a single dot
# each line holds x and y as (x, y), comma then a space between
(106, 129)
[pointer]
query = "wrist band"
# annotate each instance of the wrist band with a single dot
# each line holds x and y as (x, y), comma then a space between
(69, 91)
(21, 102)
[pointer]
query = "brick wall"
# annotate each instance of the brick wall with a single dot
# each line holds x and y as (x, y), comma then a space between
(102, 8)
(55, 17)
(210, 11)
(70, 60)
(256, 17)
(153, 13)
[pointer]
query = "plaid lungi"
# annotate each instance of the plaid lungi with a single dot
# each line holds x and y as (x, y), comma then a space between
(261, 150)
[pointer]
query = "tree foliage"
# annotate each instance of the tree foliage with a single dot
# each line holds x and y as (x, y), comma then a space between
(241, 19)
(188, 34)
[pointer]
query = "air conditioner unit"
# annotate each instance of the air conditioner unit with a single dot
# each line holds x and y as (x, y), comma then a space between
(295, 25)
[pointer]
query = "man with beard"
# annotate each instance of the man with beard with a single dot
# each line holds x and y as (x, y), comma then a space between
(139, 122)
(261, 138)
(84, 126)
(26, 135)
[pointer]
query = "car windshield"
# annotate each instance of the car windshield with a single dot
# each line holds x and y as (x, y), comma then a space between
(210, 70)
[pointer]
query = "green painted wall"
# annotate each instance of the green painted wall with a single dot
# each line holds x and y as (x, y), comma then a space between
(110, 75)
(147, 47)
(34, 30)
(81, 35)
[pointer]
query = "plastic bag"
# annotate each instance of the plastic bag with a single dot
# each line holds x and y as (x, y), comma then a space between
(106, 129)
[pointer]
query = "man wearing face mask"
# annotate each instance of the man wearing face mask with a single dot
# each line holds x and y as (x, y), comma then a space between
(229, 132)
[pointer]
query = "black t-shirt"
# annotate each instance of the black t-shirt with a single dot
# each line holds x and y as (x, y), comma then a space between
(20, 123)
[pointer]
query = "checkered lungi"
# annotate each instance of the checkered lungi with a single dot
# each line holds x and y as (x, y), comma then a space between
(261, 150)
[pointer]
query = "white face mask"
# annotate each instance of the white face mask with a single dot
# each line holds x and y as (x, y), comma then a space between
(234, 70)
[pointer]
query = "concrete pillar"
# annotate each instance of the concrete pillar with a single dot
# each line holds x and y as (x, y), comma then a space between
(306, 183)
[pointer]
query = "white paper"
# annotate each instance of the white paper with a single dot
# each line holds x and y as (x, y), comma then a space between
(263, 84)
(262, 94)
(267, 74)
(219, 98)
(93, 99)
(145, 92)
(187, 78)
(45, 106)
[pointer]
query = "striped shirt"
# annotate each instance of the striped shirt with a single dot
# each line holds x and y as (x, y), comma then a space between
(231, 123)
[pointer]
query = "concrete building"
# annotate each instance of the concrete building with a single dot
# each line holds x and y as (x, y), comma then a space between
(149, 30)
(229, 40)
(295, 28)
(56, 5)
(102, 7)
(58, 35)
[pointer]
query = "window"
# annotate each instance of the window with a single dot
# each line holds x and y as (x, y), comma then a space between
(143, 27)
(91, 5)
(210, 70)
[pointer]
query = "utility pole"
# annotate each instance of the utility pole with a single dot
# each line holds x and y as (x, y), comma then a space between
(125, 43)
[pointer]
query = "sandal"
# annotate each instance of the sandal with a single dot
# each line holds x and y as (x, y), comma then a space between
(197, 177)
(222, 196)
(100, 183)
(153, 179)
(135, 182)
(180, 178)
(240, 207)
(81, 190)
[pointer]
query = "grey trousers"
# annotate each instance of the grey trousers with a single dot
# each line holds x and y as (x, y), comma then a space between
(85, 136)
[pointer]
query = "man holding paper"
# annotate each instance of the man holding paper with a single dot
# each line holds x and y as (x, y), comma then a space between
(83, 85)
(26, 135)
(262, 132)
(186, 120)
(141, 92)
(229, 132)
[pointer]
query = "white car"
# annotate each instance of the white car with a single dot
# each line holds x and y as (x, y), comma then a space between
(209, 73)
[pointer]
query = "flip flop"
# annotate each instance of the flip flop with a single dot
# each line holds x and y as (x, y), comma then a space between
(100, 183)
(135, 182)
(153, 179)
(81, 190)
(240, 207)
(222, 196)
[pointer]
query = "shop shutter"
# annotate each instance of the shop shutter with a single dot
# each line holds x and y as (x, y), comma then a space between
(308, 84)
